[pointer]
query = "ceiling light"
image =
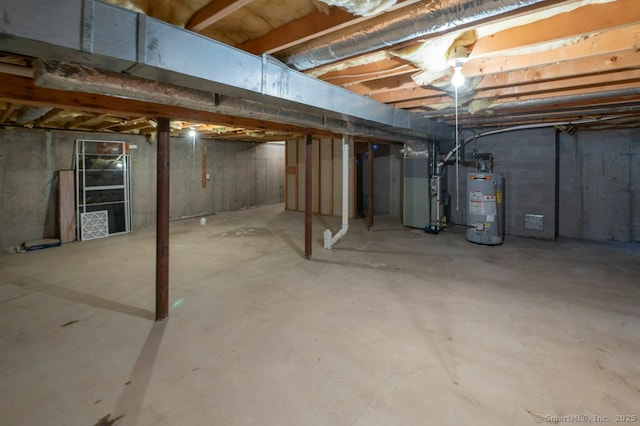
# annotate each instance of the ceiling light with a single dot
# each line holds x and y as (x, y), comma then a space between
(458, 79)
(192, 132)
(457, 59)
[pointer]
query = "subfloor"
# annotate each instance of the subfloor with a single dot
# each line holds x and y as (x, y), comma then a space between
(392, 327)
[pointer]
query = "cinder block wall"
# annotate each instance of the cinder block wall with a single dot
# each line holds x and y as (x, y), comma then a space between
(598, 182)
(241, 175)
(527, 161)
(600, 185)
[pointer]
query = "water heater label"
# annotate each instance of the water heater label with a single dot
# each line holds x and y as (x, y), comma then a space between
(475, 202)
(489, 205)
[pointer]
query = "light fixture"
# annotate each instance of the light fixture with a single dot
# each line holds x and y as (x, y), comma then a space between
(458, 58)
(192, 132)
(458, 79)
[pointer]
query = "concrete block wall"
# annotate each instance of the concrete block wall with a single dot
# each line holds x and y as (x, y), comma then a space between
(242, 175)
(527, 160)
(600, 185)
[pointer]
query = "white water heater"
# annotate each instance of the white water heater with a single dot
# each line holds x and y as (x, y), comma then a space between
(485, 208)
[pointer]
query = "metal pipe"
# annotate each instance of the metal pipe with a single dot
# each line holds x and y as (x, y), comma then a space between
(162, 220)
(308, 206)
(522, 127)
(329, 241)
(370, 187)
(428, 18)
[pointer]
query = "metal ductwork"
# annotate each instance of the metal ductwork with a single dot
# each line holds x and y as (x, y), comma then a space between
(109, 38)
(400, 26)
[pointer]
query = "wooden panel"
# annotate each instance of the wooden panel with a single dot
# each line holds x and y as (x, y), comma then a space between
(300, 157)
(291, 177)
(315, 172)
(67, 205)
(337, 177)
(326, 176)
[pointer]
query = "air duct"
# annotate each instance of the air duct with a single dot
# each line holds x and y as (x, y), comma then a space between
(401, 26)
(109, 38)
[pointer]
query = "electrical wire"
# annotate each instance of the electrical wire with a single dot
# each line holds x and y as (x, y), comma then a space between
(457, 154)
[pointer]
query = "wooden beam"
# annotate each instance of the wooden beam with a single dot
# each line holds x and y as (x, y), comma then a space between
(7, 112)
(583, 21)
(22, 90)
(361, 73)
(78, 121)
(312, 26)
(214, 12)
(613, 42)
(48, 117)
(130, 125)
(299, 31)
(576, 86)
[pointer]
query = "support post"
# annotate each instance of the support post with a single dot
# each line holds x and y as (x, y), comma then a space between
(308, 206)
(203, 143)
(162, 221)
(370, 186)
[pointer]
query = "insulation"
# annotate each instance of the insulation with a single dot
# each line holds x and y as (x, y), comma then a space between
(341, 66)
(258, 18)
(479, 105)
(252, 21)
(362, 7)
(432, 57)
(171, 11)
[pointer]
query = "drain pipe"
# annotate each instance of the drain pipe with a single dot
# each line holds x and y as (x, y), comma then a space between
(329, 241)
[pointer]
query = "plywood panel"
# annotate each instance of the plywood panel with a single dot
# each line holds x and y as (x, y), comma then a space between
(326, 176)
(337, 178)
(66, 205)
(300, 156)
(315, 176)
(291, 172)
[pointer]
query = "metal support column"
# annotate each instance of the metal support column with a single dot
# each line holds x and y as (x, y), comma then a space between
(370, 187)
(162, 221)
(307, 197)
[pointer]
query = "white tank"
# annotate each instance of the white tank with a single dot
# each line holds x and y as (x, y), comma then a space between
(485, 208)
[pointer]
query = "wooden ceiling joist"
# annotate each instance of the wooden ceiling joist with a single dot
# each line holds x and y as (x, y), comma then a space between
(214, 12)
(581, 22)
(22, 90)
(7, 112)
(52, 115)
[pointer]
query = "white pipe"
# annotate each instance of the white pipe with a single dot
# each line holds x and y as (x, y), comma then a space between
(328, 240)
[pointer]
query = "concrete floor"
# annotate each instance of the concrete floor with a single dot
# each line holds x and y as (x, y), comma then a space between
(392, 327)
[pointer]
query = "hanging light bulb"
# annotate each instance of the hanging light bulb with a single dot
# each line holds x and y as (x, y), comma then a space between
(458, 79)
(456, 60)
